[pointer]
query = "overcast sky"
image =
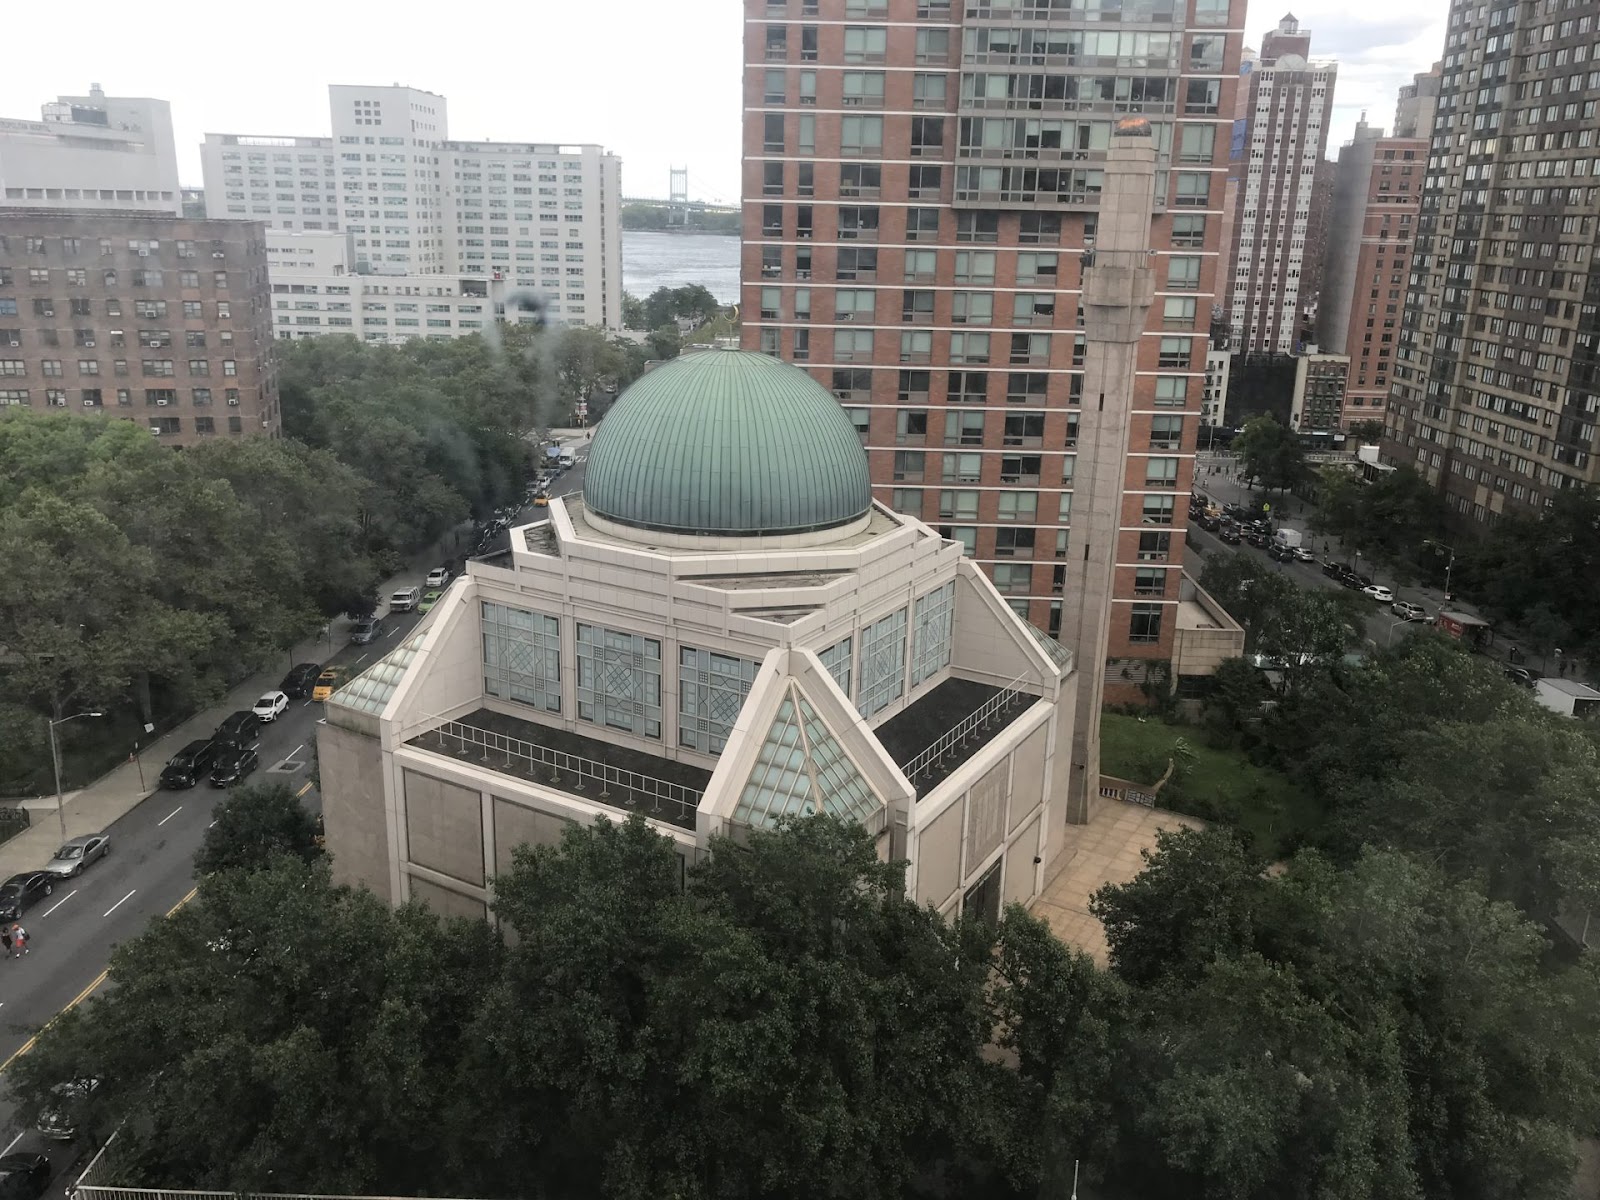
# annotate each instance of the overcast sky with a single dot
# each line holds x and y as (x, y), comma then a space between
(657, 81)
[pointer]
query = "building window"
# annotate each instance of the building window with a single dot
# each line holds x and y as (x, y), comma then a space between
(1144, 626)
(1161, 472)
(836, 658)
(883, 663)
(1013, 578)
(619, 680)
(1149, 581)
(711, 691)
(1157, 510)
(935, 616)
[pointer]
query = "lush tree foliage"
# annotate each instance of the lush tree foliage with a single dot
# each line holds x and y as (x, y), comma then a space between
(1283, 621)
(1269, 454)
(1374, 1031)
(666, 305)
(780, 1021)
(1542, 573)
(1396, 519)
(255, 824)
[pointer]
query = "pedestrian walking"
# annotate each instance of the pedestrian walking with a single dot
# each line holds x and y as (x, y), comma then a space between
(5, 937)
(19, 939)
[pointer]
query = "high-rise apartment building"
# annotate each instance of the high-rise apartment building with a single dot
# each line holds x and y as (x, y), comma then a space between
(1317, 404)
(1291, 102)
(1368, 260)
(538, 216)
(283, 182)
(922, 183)
(1496, 392)
(95, 152)
(161, 320)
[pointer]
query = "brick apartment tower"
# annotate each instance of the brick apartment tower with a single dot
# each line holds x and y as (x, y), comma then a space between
(1496, 394)
(1371, 235)
(1290, 104)
(161, 320)
(921, 181)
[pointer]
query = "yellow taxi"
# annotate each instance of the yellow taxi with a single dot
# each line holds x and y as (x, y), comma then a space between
(329, 682)
(542, 500)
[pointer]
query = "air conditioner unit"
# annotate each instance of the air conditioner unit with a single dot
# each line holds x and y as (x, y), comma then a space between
(155, 431)
(161, 403)
(218, 254)
(144, 254)
(88, 403)
(89, 345)
(234, 401)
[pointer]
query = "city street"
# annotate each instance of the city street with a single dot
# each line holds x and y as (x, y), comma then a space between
(149, 874)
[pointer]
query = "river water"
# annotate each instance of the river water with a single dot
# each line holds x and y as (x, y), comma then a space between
(652, 260)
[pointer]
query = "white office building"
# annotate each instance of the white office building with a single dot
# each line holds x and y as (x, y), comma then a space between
(316, 290)
(538, 217)
(93, 152)
(283, 182)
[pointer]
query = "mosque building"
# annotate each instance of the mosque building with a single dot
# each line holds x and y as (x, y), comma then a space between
(724, 630)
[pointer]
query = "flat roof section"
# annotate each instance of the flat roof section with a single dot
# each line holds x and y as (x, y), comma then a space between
(959, 718)
(612, 776)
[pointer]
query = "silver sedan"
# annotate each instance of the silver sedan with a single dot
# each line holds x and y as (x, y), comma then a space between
(77, 854)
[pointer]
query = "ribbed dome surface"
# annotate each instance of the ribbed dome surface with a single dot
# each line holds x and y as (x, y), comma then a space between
(730, 443)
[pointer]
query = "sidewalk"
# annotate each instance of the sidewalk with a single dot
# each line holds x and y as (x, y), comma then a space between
(119, 791)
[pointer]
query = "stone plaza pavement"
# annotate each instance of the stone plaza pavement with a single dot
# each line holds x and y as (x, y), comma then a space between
(1106, 850)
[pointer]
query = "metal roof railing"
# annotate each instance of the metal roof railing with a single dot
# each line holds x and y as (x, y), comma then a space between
(984, 716)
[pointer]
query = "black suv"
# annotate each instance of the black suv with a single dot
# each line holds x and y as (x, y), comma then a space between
(302, 677)
(242, 729)
(233, 764)
(189, 765)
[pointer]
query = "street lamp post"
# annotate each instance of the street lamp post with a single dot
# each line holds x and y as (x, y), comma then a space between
(1449, 566)
(55, 760)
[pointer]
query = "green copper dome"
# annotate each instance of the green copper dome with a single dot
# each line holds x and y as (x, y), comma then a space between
(729, 443)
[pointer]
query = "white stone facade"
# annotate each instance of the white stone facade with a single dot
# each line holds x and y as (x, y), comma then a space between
(93, 153)
(787, 677)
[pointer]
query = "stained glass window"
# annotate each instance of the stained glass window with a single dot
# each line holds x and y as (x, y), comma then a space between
(711, 691)
(930, 652)
(521, 656)
(619, 680)
(883, 663)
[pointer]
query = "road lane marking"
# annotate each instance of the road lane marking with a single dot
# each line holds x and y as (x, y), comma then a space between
(118, 904)
(296, 750)
(14, 1142)
(304, 788)
(70, 1005)
(184, 901)
(59, 903)
(169, 816)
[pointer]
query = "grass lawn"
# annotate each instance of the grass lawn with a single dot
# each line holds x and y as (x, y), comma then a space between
(1223, 786)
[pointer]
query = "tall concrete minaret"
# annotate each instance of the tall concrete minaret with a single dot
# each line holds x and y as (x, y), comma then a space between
(1118, 288)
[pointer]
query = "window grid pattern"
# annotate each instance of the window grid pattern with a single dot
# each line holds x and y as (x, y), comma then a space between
(935, 614)
(619, 680)
(711, 691)
(883, 663)
(802, 769)
(837, 658)
(521, 656)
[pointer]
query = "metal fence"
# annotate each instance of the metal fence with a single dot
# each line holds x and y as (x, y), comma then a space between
(13, 820)
(608, 784)
(982, 718)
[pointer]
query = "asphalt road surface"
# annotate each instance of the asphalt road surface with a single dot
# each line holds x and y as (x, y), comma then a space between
(149, 874)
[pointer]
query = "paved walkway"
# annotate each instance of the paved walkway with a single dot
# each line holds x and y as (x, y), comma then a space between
(116, 793)
(1107, 851)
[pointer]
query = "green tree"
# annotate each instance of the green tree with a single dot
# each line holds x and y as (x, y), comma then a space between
(254, 825)
(277, 1032)
(1366, 431)
(1269, 454)
(665, 341)
(585, 357)
(632, 311)
(1532, 567)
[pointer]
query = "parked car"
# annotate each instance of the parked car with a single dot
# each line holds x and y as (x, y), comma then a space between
(366, 631)
(242, 728)
(21, 892)
(63, 1111)
(541, 500)
(437, 577)
(233, 764)
(327, 682)
(24, 1176)
(189, 765)
(1256, 538)
(1408, 610)
(1209, 523)
(429, 599)
(1521, 676)
(1304, 554)
(1229, 534)
(302, 677)
(404, 599)
(1376, 591)
(1356, 583)
(77, 853)
(270, 706)
(1334, 570)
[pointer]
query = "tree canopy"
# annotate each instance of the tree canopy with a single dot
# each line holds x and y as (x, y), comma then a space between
(1395, 519)
(255, 824)
(1269, 454)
